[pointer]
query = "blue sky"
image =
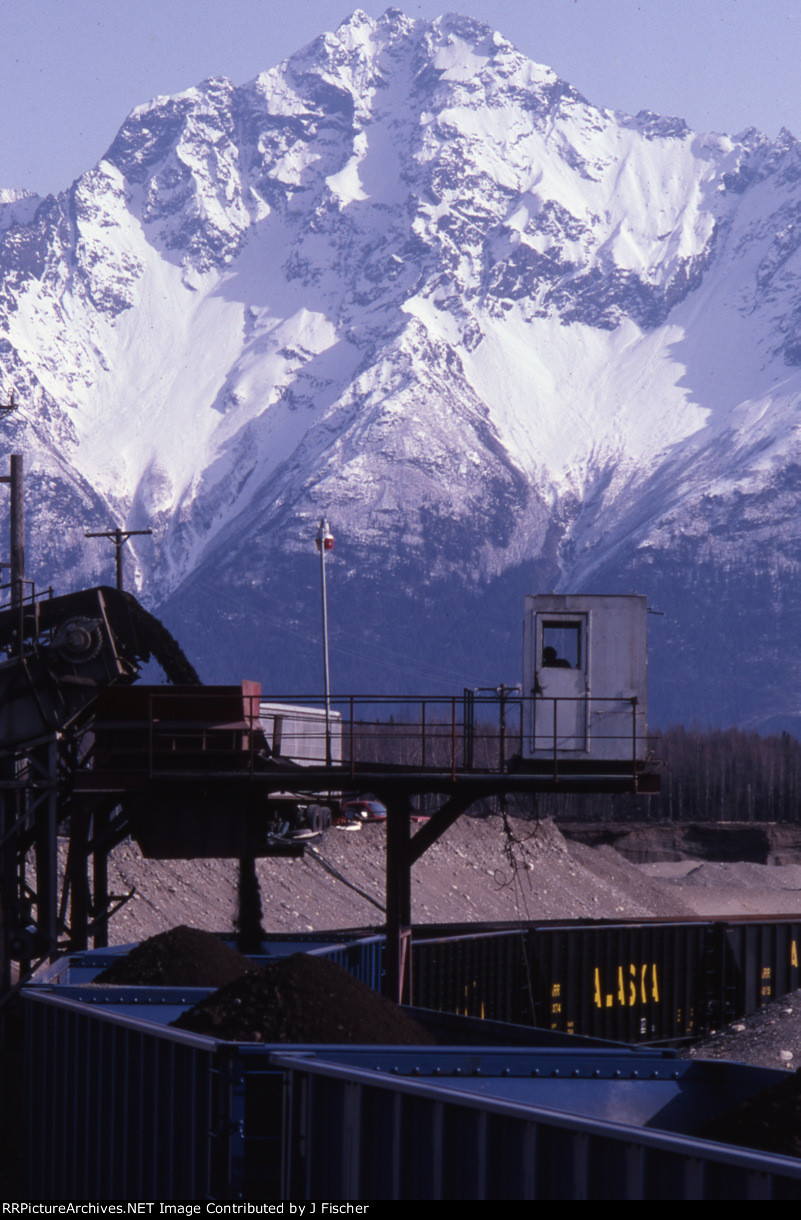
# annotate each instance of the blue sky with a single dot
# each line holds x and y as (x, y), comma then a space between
(72, 69)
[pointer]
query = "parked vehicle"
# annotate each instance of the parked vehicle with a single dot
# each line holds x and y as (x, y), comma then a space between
(365, 811)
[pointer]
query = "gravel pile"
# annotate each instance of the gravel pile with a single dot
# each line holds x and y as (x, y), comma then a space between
(180, 957)
(303, 999)
(770, 1037)
(480, 870)
(721, 889)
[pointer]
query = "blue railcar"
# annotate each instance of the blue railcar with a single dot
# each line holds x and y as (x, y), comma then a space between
(121, 1106)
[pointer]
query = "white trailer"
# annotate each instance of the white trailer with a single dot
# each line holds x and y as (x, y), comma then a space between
(299, 733)
(584, 677)
(309, 737)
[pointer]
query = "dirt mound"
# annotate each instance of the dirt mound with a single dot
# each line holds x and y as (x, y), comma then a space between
(182, 957)
(769, 1037)
(341, 883)
(303, 999)
(768, 1122)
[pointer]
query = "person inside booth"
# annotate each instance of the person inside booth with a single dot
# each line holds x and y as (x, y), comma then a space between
(551, 660)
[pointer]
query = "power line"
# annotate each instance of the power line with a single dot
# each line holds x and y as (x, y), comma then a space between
(314, 854)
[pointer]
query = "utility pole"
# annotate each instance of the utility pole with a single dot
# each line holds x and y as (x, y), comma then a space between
(9, 809)
(16, 515)
(17, 528)
(119, 538)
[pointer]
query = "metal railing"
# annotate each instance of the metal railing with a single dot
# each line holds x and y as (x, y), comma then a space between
(471, 733)
(26, 603)
(568, 725)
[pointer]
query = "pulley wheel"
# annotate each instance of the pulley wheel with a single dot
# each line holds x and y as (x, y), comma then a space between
(78, 640)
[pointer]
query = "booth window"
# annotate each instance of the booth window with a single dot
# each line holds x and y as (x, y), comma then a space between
(561, 645)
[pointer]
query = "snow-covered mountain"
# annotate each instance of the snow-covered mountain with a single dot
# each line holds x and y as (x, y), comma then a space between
(507, 340)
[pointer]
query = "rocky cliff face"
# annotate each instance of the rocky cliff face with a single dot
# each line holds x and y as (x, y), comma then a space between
(507, 341)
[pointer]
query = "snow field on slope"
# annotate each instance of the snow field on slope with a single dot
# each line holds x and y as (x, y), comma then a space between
(284, 375)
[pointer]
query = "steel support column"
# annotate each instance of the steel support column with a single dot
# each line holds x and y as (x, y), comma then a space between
(439, 822)
(397, 973)
(76, 883)
(46, 850)
(402, 851)
(100, 897)
(8, 875)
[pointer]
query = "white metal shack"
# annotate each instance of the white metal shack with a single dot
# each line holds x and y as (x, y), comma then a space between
(298, 732)
(584, 676)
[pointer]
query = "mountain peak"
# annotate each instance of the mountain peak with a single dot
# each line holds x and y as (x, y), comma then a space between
(13, 194)
(504, 337)
(17, 206)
